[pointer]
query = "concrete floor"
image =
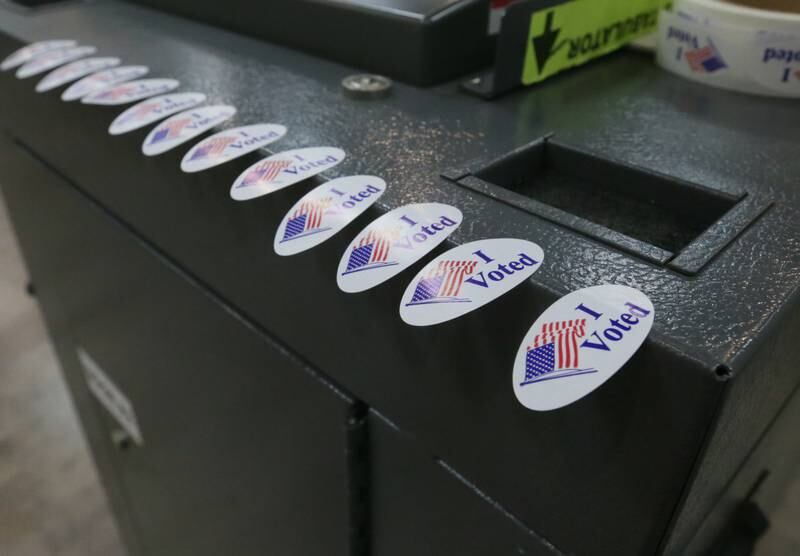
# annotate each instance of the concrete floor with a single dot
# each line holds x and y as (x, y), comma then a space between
(51, 503)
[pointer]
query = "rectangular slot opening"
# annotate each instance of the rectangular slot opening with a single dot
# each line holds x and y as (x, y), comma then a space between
(652, 208)
(35, 3)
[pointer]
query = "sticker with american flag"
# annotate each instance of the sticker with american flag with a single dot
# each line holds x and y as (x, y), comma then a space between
(468, 277)
(372, 250)
(284, 169)
(184, 126)
(169, 130)
(264, 172)
(152, 110)
(131, 91)
(324, 211)
(706, 59)
(230, 144)
(393, 242)
(579, 343)
(52, 59)
(101, 80)
(554, 352)
(30, 51)
(213, 148)
(307, 219)
(73, 71)
(442, 283)
(706, 50)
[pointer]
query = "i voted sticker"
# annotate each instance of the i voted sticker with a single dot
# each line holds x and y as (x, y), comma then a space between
(103, 80)
(152, 110)
(282, 170)
(183, 127)
(73, 71)
(230, 144)
(394, 242)
(324, 211)
(774, 60)
(52, 59)
(579, 343)
(468, 277)
(29, 52)
(131, 92)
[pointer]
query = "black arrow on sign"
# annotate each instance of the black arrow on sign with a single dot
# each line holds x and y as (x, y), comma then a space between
(543, 44)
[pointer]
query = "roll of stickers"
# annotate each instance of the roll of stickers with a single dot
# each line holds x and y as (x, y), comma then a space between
(751, 46)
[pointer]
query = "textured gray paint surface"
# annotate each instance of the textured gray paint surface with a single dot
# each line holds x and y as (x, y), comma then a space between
(621, 107)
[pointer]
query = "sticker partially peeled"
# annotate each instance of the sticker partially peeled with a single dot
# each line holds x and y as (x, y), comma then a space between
(183, 127)
(52, 59)
(131, 92)
(152, 110)
(29, 52)
(468, 277)
(101, 80)
(74, 71)
(230, 144)
(394, 242)
(324, 211)
(282, 170)
(579, 343)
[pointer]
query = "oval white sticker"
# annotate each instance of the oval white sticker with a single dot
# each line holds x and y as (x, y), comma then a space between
(131, 91)
(102, 80)
(394, 242)
(579, 343)
(324, 211)
(153, 110)
(183, 127)
(29, 52)
(282, 170)
(230, 144)
(52, 59)
(74, 71)
(468, 277)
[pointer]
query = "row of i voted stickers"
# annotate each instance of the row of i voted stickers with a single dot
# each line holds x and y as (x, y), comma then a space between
(574, 347)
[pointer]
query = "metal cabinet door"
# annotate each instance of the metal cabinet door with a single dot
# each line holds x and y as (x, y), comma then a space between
(243, 446)
(421, 506)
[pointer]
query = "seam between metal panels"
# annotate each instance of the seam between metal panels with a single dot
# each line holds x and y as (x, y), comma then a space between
(496, 505)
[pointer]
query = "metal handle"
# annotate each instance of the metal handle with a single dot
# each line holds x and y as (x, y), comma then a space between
(122, 439)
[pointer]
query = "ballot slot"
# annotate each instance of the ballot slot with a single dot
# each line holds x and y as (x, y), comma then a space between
(643, 212)
(32, 4)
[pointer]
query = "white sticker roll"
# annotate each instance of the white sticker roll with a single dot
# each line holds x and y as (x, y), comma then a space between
(734, 47)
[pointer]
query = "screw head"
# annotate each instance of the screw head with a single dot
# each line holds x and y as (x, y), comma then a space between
(366, 86)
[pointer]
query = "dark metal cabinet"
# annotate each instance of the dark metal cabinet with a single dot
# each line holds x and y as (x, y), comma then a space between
(634, 468)
(244, 448)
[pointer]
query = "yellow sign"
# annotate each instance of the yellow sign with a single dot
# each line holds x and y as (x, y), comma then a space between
(576, 31)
